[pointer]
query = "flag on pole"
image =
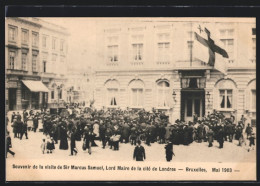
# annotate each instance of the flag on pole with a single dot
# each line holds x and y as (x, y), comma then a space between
(208, 50)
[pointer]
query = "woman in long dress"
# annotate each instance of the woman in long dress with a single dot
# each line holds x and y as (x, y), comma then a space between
(63, 138)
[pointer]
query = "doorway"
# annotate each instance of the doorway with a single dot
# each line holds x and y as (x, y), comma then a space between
(192, 102)
(12, 98)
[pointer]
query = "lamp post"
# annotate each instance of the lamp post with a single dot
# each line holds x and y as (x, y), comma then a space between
(58, 101)
(208, 96)
(174, 96)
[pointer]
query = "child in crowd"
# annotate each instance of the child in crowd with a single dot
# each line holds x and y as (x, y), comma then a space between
(251, 142)
(50, 145)
(43, 146)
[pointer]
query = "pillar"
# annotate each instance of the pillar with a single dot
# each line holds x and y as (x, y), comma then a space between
(19, 96)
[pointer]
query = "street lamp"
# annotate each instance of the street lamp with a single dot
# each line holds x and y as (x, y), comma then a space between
(208, 96)
(174, 96)
(58, 88)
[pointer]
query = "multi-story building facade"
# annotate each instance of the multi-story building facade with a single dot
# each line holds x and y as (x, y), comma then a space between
(80, 87)
(151, 64)
(35, 63)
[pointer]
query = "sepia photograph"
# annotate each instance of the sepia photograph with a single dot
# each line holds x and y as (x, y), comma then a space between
(130, 98)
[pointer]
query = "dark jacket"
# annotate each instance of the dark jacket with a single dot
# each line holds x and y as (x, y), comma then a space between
(139, 153)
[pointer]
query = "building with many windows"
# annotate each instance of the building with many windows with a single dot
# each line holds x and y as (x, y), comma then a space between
(36, 57)
(151, 64)
(80, 86)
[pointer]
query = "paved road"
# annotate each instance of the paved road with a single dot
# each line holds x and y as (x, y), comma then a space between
(195, 152)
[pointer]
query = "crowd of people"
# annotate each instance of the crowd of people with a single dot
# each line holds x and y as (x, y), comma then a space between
(116, 126)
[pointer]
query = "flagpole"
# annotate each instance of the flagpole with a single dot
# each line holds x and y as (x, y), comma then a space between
(190, 45)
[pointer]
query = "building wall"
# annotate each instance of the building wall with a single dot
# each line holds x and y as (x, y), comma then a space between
(240, 66)
(31, 47)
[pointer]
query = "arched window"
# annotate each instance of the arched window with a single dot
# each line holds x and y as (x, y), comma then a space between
(226, 91)
(112, 87)
(251, 96)
(163, 90)
(136, 93)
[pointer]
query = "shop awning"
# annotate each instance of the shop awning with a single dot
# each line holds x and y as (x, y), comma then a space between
(35, 86)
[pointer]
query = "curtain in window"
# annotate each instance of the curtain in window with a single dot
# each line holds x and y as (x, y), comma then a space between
(112, 96)
(229, 98)
(222, 98)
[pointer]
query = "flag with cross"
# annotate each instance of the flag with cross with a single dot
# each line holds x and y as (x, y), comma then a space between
(208, 48)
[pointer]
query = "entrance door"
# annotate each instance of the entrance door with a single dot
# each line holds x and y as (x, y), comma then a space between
(193, 103)
(12, 98)
(35, 100)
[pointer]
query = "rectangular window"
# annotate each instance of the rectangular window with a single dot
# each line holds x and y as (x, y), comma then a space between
(60, 94)
(12, 33)
(112, 53)
(24, 61)
(226, 33)
(54, 43)
(253, 105)
(137, 52)
(189, 107)
(44, 66)
(12, 60)
(254, 47)
(229, 47)
(166, 36)
(25, 36)
(112, 94)
(226, 98)
(137, 97)
(163, 52)
(44, 41)
(54, 57)
(35, 39)
(62, 45)
(52, 94)
(34, 63)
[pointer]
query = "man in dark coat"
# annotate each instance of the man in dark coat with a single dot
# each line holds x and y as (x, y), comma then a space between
(8, 145)
(210, 135)
(249, 130)
(15, 128)
(221, 137)
(73, 142)
(19, 117)
(139, 152)
(12, 117)
(35, 123)
(102, 134)
(23, 130)
(169, 151)
(25, 116)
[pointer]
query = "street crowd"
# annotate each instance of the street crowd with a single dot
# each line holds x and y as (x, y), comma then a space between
(116, 126)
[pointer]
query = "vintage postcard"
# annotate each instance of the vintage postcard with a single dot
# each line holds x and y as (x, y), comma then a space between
(130, 99)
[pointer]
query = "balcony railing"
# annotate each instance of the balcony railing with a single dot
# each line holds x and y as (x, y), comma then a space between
(16, 71)
(137, 63)
(163, 63)
(48, 74)
(189, 64)
(112, 63)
